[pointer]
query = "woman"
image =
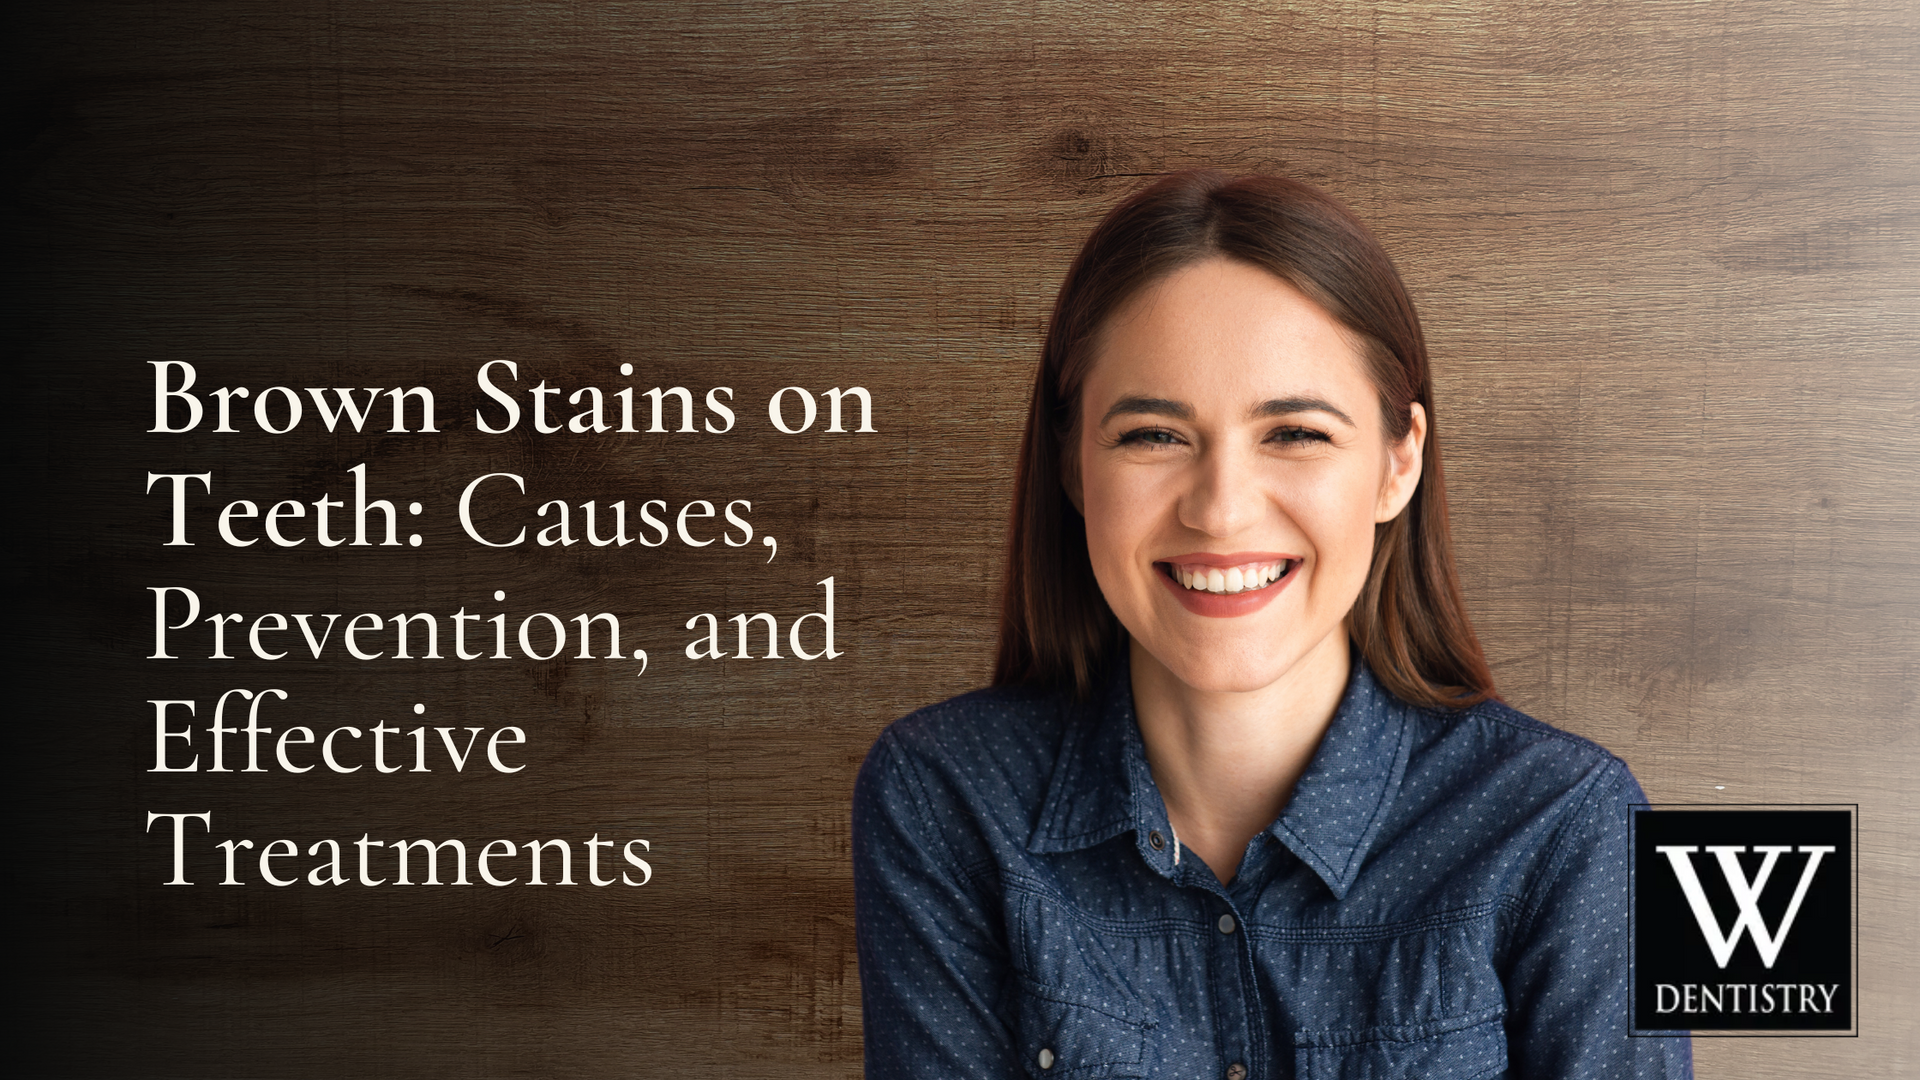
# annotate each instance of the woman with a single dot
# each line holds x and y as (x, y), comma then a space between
(1241, 803)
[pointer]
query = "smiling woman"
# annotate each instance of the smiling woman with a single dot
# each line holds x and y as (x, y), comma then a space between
(1242, 803)
(1228, 405)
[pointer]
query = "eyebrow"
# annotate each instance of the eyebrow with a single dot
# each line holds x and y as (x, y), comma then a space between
(1180, 410)
(1288, 405)
(1153, 406)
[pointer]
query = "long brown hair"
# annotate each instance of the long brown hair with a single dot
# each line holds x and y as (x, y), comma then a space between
(1409, 621)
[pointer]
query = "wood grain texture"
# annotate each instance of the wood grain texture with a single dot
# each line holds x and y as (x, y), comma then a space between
(1666, 254)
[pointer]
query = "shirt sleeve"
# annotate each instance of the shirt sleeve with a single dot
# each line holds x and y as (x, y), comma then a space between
(1570, 990)
(934, 966)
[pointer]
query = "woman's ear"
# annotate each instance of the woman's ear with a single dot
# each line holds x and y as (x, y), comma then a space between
(1404, 460)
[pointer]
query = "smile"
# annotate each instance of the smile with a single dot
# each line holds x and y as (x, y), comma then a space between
(1229, 580)
(1217, 585)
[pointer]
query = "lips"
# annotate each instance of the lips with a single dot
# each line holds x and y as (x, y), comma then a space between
(1227, 586)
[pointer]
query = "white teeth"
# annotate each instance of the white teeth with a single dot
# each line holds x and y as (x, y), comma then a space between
(1233, 579)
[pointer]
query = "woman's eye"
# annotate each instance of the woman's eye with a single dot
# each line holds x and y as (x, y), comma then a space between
(1288, 436)
(1148, 437)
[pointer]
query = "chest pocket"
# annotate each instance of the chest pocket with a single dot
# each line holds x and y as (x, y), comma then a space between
(1469, 1048)
(1063, 1038)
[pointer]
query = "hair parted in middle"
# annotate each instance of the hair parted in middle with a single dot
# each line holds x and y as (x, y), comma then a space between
(1410, 621)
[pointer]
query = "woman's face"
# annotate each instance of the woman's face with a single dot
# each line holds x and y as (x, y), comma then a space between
(1232, 463)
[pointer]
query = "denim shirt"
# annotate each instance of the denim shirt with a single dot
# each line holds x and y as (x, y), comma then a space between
(1446, 895)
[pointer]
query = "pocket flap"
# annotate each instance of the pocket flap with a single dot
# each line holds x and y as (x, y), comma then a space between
(1063, 1037)
(1470, 1048)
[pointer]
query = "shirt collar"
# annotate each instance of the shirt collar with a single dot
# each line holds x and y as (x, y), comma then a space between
(1101, 785)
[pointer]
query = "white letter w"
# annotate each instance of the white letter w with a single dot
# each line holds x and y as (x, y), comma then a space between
(1745, 894)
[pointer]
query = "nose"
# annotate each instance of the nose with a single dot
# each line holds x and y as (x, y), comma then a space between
(1224, 497)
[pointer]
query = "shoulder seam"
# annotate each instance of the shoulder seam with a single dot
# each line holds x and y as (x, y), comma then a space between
(1509, 717)
(1608, 777)
(922, 801)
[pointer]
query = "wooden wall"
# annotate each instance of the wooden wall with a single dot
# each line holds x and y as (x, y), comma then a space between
(1666, 253)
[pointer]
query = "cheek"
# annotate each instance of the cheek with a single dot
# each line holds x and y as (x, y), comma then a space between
(1119, 496)
(1337, 515)
(1114, 513)
(1124, 508)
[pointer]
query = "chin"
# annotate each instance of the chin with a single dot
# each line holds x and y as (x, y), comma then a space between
(1214, 673)
(1247, 659)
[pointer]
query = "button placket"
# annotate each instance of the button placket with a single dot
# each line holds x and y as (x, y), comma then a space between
(1239, 1021)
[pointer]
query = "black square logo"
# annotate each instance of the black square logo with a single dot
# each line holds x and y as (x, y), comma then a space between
(1743, 920)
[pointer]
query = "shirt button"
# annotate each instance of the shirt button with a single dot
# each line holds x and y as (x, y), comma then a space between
(1236, 1071)
(1046, 1058)
(1155, 840)
(1226, 927)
